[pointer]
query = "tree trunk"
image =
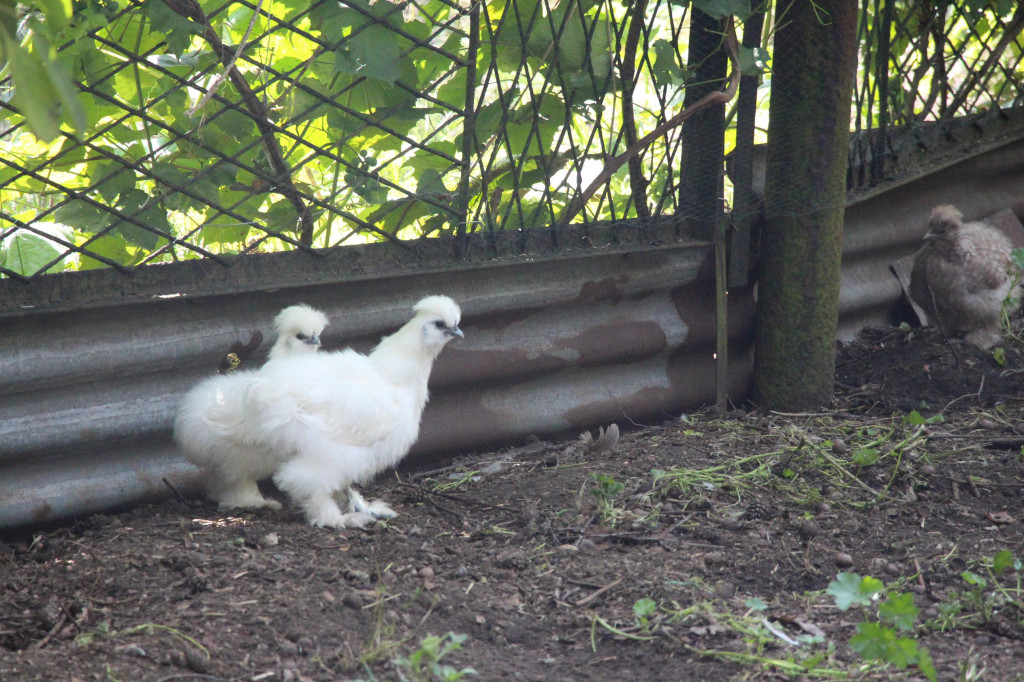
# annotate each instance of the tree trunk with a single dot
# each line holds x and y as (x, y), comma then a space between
(805, 194)
(700, 182)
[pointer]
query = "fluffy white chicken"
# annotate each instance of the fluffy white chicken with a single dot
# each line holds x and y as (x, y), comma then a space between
(962, 275)
(318, 422)
(298, 330)
(212, 410)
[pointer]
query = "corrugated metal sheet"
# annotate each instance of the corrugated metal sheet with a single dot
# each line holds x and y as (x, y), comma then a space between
(90, 376)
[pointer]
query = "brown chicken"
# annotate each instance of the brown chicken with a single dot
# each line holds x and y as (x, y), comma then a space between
(962, 276)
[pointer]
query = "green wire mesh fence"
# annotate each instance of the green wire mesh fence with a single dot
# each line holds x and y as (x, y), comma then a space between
(219, 127)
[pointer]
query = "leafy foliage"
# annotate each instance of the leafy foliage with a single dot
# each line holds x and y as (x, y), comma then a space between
(425, 663)
(339, 121)
(885, 639)
(849, 589)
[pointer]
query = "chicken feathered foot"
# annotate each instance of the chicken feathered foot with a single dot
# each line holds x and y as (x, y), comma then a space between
(984, 338)
(244, 494)
(378, 509)
(323, 512)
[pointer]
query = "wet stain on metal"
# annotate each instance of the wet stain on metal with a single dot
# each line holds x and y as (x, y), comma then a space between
(609, 288)
(42, 512)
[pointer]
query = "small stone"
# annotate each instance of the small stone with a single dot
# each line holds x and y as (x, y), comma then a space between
(328, 597)
(305, 645)
(131, 650)
(927, 470)
(892, 569)
(427, 573)
(268, 540)
(725, 590)
(807, 529)
(352, 601)
(288, 648)
(840, 447)
(731, 523)
(930, 613)
(843, 560)
(824, 508)
(461, 572)
(357, 576)
(987, 424)
(196, 661)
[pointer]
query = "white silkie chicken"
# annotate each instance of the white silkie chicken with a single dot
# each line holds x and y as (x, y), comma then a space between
(213, 410)
(320, 422)
(298, 330)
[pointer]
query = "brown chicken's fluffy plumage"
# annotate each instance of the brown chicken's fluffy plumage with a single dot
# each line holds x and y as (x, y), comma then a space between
(962, 275)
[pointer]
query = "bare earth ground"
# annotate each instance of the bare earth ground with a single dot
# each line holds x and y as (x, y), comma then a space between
(698, 549)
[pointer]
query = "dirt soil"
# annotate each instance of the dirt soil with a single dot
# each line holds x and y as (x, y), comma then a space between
(701, 548)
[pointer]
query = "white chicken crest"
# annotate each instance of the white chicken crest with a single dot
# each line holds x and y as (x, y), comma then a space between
(318, 422)
(298, 330)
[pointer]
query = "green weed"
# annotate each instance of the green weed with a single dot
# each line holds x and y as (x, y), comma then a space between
(884, 636)
(424, 664)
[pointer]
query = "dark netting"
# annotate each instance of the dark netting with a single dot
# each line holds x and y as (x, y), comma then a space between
(218, 128)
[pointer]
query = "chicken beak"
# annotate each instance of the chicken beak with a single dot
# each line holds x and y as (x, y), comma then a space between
(455, 331)
(930, 235)
(313, 340)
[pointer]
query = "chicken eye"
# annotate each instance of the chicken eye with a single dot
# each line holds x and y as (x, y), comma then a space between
(439, 324)
(301, 337)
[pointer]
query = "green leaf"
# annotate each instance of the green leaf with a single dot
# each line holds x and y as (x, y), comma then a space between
(110, 178)
(645, 607)
(925, 664)
(720, 9)
(753, 60)
(666, 69)
(26, 252)
(915, 419)
(865, 457)
(899, 610)
(82, 216)
(373, 53)
(42, 92)
(849, 589)
(876, 642)
(143, 211)
(974, 579)
(282, 217)
(110, 246)
(1003, 560)
(224, 230)
(756, 604)
(176, 28)
(430, 182)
